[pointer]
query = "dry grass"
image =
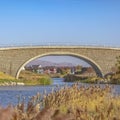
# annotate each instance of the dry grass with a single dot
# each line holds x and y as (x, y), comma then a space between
(69, 103)
(31, 78)
(6, 76)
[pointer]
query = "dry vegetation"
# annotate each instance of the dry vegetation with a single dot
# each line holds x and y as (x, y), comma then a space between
(31, 78)
(26, 77)
(7, 80)
(68, 103)
(5, 76)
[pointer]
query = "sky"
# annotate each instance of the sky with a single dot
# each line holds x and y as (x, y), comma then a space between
(78, 22)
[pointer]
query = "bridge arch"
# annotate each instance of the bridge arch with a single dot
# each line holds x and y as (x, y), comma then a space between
(95, 66)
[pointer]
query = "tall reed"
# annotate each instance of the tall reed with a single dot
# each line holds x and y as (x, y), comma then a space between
(69, 103)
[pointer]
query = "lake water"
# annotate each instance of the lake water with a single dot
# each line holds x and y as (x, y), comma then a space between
(9, 94)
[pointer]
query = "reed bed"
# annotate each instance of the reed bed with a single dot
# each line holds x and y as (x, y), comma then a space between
(68, 103)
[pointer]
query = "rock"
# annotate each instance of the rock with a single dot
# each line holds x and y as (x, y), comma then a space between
(19, 83)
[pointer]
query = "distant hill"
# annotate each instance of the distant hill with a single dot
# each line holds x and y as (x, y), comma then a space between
(47, 63)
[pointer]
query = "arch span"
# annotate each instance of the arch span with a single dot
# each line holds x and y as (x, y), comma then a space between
(95, 66)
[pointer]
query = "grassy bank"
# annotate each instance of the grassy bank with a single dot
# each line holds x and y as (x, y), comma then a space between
(6, 80)
(112, 79)
(30, 78)
(83, 79)
(69, 103)
(6, 76)
(26, 78)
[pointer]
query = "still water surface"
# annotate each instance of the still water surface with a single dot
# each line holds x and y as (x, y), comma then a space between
(9, 94)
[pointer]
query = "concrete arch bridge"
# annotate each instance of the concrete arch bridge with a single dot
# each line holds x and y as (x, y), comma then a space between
(102, 59)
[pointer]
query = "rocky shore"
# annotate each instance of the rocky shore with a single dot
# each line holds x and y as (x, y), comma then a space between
(12, 84)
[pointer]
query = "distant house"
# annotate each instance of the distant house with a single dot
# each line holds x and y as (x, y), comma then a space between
(54, 70)
(47, 71)
(72, 70)
(40, 69)
(50, 71)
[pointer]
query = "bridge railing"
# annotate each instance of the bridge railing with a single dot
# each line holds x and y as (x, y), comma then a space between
(56, 44)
